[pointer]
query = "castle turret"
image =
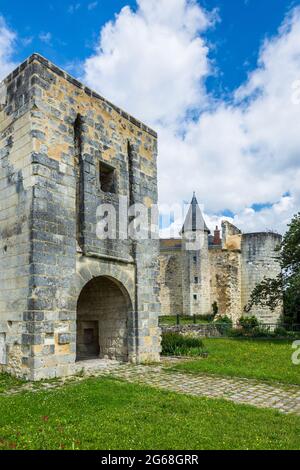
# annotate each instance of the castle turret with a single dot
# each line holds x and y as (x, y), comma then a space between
(195, 272)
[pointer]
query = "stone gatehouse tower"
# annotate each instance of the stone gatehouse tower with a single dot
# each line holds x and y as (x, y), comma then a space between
(200, 269)
(65, 294)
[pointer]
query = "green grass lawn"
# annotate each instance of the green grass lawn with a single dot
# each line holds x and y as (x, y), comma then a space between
(7, 381)
(111, 415)
(269, 360)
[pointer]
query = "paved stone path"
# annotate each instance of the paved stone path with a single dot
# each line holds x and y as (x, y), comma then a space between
(284, 398)
(244, 391)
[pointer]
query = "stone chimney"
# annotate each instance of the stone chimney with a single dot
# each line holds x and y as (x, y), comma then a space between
(217, 237)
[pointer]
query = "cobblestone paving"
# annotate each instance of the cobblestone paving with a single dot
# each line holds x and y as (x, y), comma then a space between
(284, 398)
(243, 391)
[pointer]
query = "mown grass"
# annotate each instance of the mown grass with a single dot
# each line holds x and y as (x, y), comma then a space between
(268, 360)
(7, 382)
(112, 415)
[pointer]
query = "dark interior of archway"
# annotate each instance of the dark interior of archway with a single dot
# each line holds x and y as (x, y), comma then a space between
(102, 321)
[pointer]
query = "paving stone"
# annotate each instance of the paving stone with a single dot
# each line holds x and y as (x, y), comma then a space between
(281, 397)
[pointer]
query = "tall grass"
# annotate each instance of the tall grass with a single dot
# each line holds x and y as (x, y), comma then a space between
(174, 344)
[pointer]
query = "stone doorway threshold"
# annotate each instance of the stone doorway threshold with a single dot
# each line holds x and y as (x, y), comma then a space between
(89, 366)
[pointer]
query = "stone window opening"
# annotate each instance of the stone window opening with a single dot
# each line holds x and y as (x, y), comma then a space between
(107, 177)
(195, 297)
(196, 280)
(78, 136)
(130, 172)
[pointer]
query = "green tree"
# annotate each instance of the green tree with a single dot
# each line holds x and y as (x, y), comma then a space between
(286, 286)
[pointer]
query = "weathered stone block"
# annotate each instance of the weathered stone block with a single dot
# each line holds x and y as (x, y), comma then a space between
(64, 338)
(50, 174)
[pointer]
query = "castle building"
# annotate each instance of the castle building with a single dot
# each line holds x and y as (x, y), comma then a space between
(199, 269)
(65, 294)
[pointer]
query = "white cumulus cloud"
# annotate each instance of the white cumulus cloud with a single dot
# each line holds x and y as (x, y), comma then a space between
(7, 40)
(46, 37)
(154, 62)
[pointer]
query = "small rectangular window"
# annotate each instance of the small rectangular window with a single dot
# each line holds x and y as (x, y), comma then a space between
(195, 259)
(196, 280)
(195, 297)
(107, 176)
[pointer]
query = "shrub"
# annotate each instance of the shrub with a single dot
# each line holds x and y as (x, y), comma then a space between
(281, 331)
(288, 320)
(235, 333)
(205, 318)
(224, 325)
(261, 332)
(224, 320)
(248, 323)
(174, 344)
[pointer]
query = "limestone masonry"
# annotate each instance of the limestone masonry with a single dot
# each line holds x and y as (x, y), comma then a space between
(223, 270)
(65, 295)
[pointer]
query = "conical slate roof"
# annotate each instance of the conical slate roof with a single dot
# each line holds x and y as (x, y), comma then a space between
(194, 220)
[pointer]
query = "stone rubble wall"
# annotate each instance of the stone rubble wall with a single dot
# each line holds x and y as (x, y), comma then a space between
(170, 278)
(199, 331)
(225, 271)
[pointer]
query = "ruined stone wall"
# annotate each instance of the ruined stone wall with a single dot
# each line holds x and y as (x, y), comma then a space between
(16, 202)
(259, 260)
(225, 272)
(107, 134)
(231, 236)
(171, 282)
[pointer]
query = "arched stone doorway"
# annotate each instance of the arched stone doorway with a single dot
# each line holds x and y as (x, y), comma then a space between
(104, 320)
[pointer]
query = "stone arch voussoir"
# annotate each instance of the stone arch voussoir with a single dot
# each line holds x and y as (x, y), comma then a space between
(88, 269)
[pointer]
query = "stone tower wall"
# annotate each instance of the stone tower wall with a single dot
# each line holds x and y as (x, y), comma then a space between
(58, 265)
(16, 205)
(196, 276)
(259, 260)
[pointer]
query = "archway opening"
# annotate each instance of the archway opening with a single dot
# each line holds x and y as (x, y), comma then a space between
(103, 321)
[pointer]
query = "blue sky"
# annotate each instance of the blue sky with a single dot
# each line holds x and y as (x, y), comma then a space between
(218, 79)
(74, 29)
